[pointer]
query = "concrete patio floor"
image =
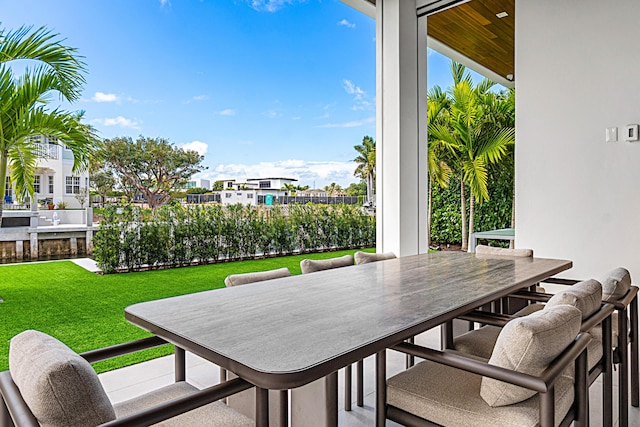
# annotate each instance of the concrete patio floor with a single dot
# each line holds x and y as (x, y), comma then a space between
(125, 383)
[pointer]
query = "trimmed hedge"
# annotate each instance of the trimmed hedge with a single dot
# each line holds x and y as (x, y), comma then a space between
(130, 238)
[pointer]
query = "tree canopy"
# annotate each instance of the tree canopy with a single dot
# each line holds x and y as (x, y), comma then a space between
(153, 166)
(23, 106)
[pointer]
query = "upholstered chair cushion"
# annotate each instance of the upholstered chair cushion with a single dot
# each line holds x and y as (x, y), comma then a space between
(528, 345)
(451, 397)
(586, 296)
(490, 250)
(615, 284)
(214, 414)
(59, 386)
(311, 266)
(479, 342)
(243, 279)
(365, 257)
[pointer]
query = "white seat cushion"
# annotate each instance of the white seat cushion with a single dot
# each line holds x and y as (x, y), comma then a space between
(451, 397)
(215, 414)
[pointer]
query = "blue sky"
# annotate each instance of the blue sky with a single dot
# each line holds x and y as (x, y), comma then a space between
(260, 87)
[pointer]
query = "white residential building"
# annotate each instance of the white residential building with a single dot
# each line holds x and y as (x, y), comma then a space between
(54, 179)
(199, 183)
(245, 197)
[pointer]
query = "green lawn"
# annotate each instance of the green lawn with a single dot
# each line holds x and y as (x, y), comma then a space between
(86, 311)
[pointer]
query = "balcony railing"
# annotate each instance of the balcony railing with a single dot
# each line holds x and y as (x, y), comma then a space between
(47, 151)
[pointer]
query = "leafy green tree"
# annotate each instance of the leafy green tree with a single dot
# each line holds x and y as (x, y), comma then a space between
(217, 186)
(357, 189)
(23, 106)
(438, 169)
(473, 140)
(197, 190)
(366, 161)
(153, 166)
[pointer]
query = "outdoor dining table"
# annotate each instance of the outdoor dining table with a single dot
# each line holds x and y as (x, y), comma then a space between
(287, 333)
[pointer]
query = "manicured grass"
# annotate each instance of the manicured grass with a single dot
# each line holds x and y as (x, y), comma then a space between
(86, 311)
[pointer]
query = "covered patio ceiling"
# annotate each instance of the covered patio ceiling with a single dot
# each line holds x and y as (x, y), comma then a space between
(475, 31)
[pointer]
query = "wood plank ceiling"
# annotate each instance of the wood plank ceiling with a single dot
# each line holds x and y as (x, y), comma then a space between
(474, 30)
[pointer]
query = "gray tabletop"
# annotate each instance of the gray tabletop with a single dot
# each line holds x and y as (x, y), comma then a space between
(287, 332)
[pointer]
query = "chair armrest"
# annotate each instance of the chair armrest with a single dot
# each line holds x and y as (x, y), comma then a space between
(622, 303)
(494, 319)
(181, 405)
(14, 403)
(598, 317)
(121, 349)
(540, 384)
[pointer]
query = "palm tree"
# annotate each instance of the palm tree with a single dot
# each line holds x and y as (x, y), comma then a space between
(366, 161)
(23, 100)
(472, 139)
(289, 188)
(438, 169)
(332, 189)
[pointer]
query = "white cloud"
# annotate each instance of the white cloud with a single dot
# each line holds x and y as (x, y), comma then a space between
(352, 89)
(199, 146)
(271, 5)
(272, 114)
(345, 23)
(105, 97)
(117, 121)
(307, 173)
(360, 98)
(227, 112)
(351, 124)
(165, 3)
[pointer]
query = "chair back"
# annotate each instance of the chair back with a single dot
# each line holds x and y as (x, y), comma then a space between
(492, 251)
(366, 257)
(246, 278)
(312, 265)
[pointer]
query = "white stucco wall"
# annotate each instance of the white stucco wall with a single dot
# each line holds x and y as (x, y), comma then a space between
(577, 73)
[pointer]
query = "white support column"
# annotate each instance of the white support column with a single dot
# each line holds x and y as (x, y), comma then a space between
(401, 136)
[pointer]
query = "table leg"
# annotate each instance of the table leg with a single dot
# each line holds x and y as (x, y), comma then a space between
(262, 407)
(347, 388)
(381, 388)
(360, 389)
(180, 364)
(306, 403)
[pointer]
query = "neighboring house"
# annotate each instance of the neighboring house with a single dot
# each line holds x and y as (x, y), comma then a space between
(199, 183)
(312, 193)
(246, 197)
(54, 179)
(247, 192)
(262, 186)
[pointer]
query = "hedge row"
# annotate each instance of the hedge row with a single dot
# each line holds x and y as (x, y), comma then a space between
(130, 238)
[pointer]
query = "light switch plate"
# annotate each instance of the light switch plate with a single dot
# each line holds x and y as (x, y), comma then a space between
(631, 133)
(612, 135)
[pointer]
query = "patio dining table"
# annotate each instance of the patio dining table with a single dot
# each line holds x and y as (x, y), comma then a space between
(287, 333)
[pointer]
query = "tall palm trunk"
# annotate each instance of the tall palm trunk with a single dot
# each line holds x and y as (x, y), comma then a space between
(463, 214)
(472, 209)
(3, 180)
